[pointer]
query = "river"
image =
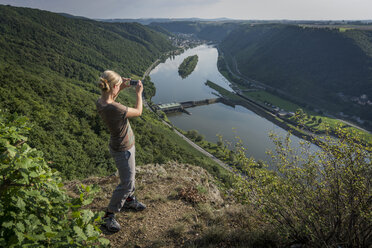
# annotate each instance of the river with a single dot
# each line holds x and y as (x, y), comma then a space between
(214, 119)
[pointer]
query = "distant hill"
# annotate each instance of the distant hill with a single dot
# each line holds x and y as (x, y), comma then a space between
(214, 31)
(72, 16)
(146, 21)
(160, 29)
(325, 67)
(49, 66)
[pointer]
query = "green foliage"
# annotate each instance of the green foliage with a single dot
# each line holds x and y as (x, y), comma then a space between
(35, 210)
(192, 134)
(187, 66)
(264, 96)
(320, 199)
(149, 89)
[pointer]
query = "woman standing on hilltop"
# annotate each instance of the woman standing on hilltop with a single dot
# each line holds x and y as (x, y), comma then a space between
(115, 116)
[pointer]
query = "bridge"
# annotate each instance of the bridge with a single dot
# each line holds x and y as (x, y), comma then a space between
(181, 106)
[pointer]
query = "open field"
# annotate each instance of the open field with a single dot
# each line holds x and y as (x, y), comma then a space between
(264, 96)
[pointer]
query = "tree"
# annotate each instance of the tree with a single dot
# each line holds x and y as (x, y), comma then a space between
(35, 210)
(320, 199)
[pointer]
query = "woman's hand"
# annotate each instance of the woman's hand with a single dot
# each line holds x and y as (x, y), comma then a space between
(139, 87)
(137, 111)
(125, 83)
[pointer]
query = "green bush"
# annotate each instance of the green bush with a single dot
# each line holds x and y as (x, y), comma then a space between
(34, 208)
(319, 199)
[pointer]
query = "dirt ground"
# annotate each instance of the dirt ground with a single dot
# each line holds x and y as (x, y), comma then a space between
(176, 195)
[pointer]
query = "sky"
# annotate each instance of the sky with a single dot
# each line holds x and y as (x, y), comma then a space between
(234, 9)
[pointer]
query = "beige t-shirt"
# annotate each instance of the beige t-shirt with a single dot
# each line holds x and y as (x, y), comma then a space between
(114, 116)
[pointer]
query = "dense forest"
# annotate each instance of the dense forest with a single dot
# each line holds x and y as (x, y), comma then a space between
(324, 67)
(187, 66)
(49, 66)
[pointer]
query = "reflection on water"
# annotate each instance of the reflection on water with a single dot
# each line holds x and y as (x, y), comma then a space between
(210, 120)
(171, 87)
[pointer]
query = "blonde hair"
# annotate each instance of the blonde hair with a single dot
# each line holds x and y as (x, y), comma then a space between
(108, 80)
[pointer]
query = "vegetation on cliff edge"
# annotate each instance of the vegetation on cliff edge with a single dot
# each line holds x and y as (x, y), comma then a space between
(35, 210)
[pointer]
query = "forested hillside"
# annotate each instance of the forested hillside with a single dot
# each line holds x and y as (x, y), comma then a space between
(49, 66)
(325, 67)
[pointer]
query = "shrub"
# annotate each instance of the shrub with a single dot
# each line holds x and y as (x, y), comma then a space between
(34, 209)
(320, 199)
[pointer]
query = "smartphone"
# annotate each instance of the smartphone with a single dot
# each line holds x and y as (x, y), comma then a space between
(133, 82)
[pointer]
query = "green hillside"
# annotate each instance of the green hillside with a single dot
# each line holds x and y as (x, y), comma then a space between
(324, 67)
(49, 65)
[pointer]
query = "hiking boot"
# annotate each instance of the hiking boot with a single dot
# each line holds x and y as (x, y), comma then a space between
(111, 224)
(132, 203)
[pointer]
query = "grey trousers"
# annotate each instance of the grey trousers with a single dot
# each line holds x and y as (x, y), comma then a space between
(126, 165)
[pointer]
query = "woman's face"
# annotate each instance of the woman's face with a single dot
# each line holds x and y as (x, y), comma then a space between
(116, 89)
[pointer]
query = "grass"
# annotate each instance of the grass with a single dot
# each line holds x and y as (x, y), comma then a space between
(333, 124)
(156, 198)
(205, 211)
(212, 148)
(189, 218)
(344, 29)
(262, 96)
(177, 230)
(202, 190)
(235, 226)
(223, 92)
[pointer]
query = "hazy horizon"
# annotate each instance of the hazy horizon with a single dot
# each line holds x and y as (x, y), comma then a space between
(207, 9)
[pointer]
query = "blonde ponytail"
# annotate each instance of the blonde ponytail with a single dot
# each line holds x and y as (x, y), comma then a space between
(108, 80)
(104, 85)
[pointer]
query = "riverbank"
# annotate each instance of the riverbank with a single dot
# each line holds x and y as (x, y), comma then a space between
(239, 99)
